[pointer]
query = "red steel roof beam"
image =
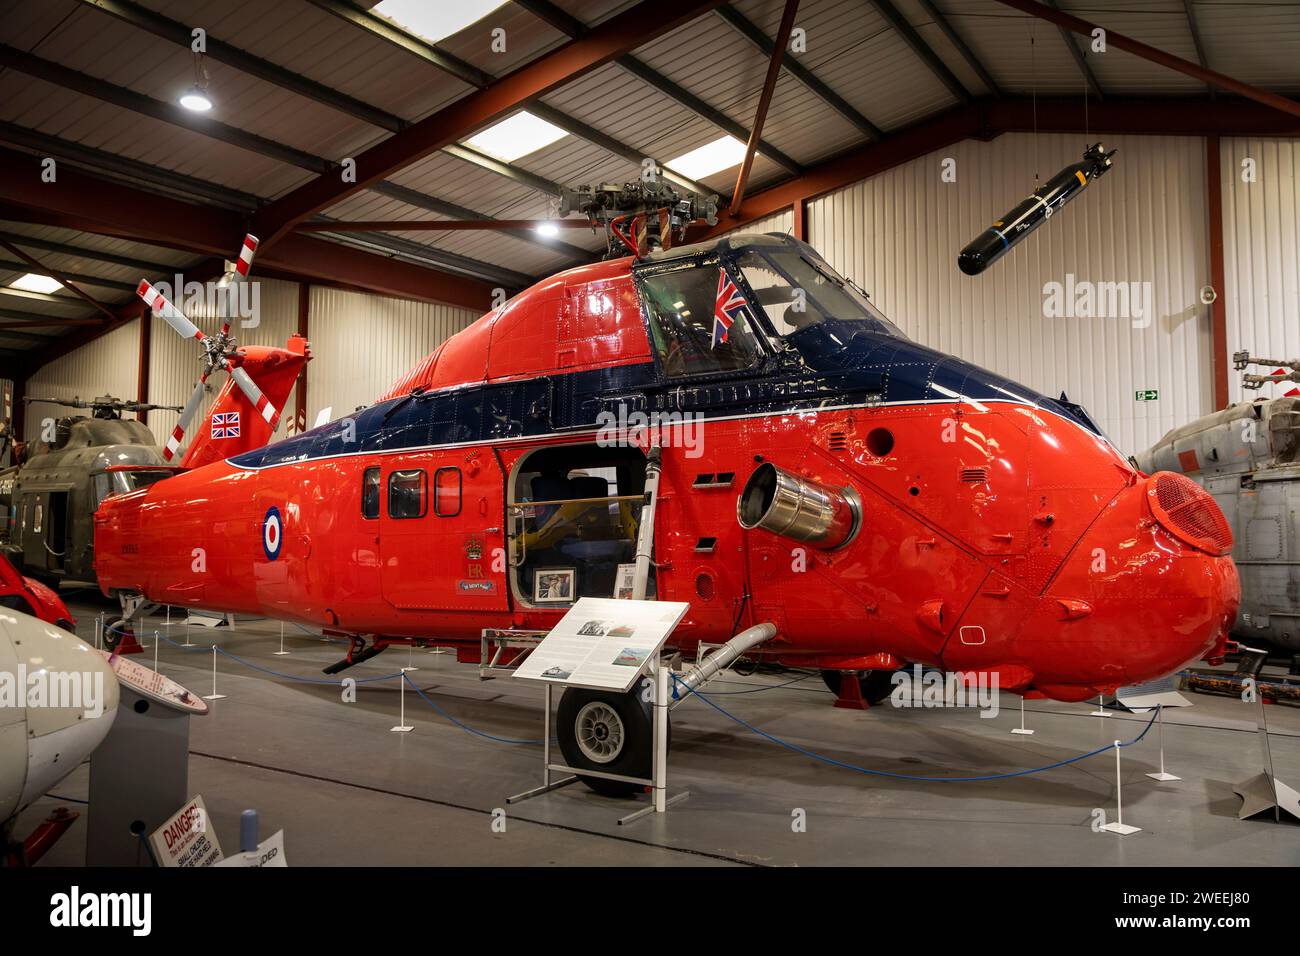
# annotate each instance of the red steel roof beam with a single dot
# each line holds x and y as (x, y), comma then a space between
(436, 225)
(764, 101)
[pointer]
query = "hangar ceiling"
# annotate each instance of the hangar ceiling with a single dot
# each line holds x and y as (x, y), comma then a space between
(300, 85)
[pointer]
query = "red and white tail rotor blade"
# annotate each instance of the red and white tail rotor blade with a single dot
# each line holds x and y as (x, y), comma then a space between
(191, 408)
(246, 253)
(173, 316)
(259, 400)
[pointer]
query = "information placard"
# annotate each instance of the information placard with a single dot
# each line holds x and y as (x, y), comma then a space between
(603, 643)
(269, 852)
(149, 683)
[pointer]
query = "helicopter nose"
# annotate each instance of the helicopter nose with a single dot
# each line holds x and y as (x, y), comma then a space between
(1151, 588)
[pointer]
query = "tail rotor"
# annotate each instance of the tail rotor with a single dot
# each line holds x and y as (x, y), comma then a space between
(219, 351)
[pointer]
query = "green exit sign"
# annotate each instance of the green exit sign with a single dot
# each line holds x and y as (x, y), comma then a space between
(1146, 395)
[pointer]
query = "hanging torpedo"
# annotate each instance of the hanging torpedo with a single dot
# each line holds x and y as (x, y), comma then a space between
(990, 245)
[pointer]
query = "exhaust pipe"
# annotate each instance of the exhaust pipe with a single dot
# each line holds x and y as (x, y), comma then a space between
(775, 500)
(699, 674)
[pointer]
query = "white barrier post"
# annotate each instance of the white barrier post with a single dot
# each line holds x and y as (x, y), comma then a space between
(1021, 729)
(402, 726)
(281, 652)
(156, 642)
(187, 631)
(1119, 826)
(214, 695)
(1160, 720)
(410, 662)
(1101, 710)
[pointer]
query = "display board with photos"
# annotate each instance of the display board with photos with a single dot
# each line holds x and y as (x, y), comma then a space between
(603, 643)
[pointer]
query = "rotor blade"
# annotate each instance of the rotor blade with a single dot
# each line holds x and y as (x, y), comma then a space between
(191, 407)
(250, 389)
(246, 253)
(174, 316)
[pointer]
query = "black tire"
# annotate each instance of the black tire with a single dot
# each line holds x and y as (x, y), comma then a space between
(876, 686)
(114, 632)
(588, 719)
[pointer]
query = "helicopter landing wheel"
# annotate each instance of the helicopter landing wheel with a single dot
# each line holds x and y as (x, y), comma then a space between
(876, 686)
(609, 732)
(115, 632)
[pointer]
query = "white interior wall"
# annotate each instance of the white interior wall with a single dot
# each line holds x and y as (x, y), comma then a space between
(898, 235)
(107, 366)
(1261, 252)
(363, 343)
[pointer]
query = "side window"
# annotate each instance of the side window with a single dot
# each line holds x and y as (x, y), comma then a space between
(446, 492)
(370, 493)
(406, 493)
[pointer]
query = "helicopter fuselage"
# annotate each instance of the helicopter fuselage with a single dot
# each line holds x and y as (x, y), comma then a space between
(992, 529)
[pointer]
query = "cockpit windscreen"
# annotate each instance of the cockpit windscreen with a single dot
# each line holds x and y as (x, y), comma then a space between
(797, 291)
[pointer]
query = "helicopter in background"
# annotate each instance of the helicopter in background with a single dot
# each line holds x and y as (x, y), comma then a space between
(1247, 456)
(73, 466)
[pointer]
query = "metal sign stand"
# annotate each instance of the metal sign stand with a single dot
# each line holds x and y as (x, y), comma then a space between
(1264, 792)
(658, 779)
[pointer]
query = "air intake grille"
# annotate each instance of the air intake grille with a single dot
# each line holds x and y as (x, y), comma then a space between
(1188, 512)
(975, 476)
(837, 441)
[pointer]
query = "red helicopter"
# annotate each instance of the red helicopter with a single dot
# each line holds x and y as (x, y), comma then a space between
(800, 461)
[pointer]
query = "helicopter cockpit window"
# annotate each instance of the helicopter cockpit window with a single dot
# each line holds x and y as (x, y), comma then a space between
(797, 292)
(133, 480)
(700, 321)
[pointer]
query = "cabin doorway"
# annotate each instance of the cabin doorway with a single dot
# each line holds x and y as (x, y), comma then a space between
(572, 516)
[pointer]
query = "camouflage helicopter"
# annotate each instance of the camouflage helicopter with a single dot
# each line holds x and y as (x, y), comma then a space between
(74, 464)
(1248, 457)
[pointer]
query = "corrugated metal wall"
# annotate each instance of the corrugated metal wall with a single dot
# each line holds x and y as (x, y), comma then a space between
(898, 235)
(1261, 251)
(364, 343)
(107, 366)
(174, 363)
(779, 222)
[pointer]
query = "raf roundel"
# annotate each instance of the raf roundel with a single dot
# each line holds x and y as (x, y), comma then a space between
(272, 533)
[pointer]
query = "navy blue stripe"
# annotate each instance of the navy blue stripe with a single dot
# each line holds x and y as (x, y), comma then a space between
(842, 364)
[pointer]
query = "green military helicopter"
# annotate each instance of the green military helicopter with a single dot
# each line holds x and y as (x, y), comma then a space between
(76, 463)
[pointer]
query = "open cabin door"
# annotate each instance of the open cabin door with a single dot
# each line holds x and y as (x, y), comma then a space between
(572, 518)
(441, 540)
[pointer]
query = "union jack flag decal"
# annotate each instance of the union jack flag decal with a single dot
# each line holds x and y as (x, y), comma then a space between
(726, 307)
(225, 425)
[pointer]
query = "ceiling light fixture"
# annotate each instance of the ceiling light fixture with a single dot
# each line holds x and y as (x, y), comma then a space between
(196, 99)
(548, 229)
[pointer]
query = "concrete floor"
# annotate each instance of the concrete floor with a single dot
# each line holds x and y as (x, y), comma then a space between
(348, 791)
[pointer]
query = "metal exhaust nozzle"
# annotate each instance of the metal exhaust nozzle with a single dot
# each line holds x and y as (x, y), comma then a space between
(799, 508)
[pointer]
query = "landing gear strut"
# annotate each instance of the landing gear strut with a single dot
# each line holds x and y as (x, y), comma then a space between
(858, 690)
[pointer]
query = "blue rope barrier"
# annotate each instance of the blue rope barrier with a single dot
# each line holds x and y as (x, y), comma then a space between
(464, 726)
(906, 776)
